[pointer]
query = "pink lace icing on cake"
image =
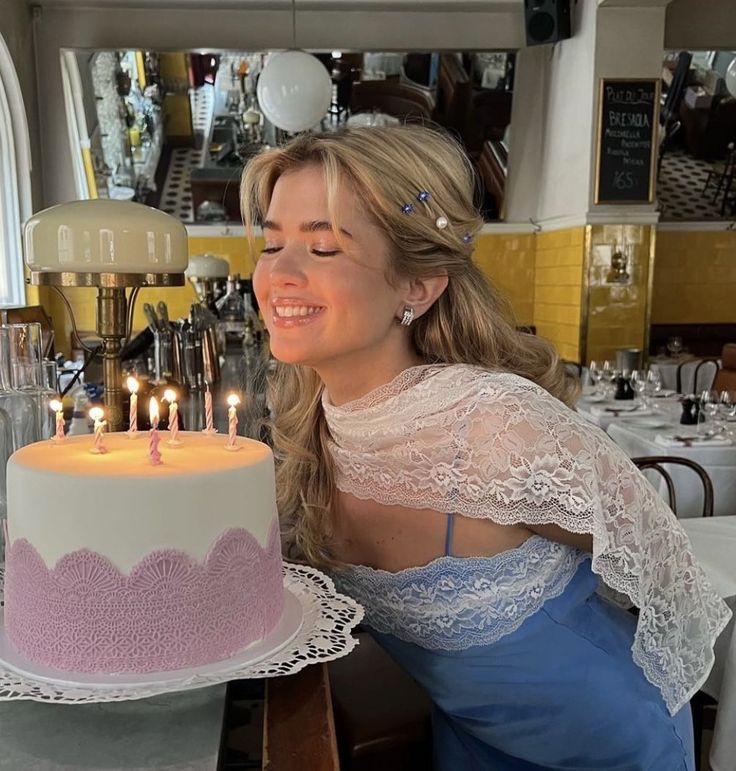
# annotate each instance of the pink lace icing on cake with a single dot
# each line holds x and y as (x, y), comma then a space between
(170, 612)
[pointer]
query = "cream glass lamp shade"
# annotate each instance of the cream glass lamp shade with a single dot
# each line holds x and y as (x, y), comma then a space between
(294, 90)
(207, 266)
(104, 236)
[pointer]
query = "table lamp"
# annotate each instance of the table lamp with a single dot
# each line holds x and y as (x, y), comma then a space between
(110, 245)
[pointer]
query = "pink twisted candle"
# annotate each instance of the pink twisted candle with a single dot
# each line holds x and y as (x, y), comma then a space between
(98, 447)
(174, 420)
(133, 413)
(209, 420)
(59, 425)
(232, 415)
(154, 456)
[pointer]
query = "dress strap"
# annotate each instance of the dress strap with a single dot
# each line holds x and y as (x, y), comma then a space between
(448, 534)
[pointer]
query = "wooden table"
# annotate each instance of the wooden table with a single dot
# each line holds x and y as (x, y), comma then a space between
(299, 729)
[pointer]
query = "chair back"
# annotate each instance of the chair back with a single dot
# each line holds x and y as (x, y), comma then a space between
(401, 100)
(725, 379)
(657, 463)
(701, 382)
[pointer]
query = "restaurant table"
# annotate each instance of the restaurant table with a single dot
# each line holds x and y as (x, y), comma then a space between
(718, 460)
(171, 732)
(714, 544)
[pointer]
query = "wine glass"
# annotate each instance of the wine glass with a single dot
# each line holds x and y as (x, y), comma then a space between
(609, 375)
(727, 411)
(674, 346)
(596, 375)
(638, 380)
(708, 407)
(654, 381)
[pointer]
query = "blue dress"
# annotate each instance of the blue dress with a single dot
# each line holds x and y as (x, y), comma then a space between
(527, 666)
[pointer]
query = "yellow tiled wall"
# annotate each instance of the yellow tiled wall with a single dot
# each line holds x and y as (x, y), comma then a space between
(508, 260)
(558, 286)
(617, 314)
(695, 278)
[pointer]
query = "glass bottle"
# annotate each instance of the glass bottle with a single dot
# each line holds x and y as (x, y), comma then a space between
(20, 407)
(231, 311)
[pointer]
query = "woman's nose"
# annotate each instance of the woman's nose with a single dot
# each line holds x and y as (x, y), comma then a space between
(287, 270)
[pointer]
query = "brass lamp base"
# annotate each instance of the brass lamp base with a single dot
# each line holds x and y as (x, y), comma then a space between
(113, 314)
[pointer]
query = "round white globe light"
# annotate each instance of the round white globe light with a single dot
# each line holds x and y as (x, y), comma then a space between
(294, 90)
(731, 78)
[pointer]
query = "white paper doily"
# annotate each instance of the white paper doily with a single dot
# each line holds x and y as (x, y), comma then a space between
(325, 633)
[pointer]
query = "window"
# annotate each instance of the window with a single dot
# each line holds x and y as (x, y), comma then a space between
(15, 181)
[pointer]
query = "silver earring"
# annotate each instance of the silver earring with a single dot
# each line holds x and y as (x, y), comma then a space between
(408, 316)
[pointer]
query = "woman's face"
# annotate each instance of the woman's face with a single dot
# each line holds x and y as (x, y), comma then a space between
(328, 305)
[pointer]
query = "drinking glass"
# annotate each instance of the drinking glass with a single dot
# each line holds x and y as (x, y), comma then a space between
(638, 380)
(19, 406)
(596, 375)
(46, 392)
(708, 409)
(25, 355)
(674, 346)
(609, 375)
(727, 412)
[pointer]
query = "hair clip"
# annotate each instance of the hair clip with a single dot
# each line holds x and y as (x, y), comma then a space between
(441, 222)
(467, 238)
(422, 196)
(407, 208)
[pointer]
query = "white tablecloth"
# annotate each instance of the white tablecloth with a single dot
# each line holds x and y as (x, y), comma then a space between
(714, 544)
(668, 369)
(718, 461)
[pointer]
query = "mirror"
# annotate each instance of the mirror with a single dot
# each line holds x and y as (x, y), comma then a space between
(174, 129)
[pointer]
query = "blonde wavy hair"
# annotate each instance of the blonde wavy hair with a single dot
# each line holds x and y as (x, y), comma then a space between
(470, 323)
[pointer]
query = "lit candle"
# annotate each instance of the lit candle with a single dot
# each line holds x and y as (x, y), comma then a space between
(58, 409)
(170, 396)
(232, 416)
(97, 413)
(208, 417)
(132, 384)
(154, 456)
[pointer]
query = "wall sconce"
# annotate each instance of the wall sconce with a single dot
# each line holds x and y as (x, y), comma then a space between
(617, 272)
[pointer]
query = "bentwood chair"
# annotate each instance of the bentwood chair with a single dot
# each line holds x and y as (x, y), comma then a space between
(658, 463)
(698, 385)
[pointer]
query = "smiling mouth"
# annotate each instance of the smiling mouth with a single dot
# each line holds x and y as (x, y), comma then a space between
(295, 311)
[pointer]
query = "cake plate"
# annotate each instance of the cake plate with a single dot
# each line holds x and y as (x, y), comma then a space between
(316, 626)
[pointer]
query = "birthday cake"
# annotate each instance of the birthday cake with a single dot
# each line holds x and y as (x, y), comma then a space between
(115, 565)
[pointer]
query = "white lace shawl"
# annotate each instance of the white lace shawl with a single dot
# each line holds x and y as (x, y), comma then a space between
(495, 445)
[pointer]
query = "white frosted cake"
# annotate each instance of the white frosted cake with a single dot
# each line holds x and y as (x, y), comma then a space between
(115, 565)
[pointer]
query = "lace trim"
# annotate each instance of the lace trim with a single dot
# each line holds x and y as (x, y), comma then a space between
(169, 612)
(454, 603)
(494, 445)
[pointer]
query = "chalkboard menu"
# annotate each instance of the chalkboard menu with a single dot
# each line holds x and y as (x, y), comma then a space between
(628, 126)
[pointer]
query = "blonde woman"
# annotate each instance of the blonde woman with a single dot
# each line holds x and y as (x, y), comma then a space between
(428, 456)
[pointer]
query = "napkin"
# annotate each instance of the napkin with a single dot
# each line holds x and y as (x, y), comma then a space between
(683, 439)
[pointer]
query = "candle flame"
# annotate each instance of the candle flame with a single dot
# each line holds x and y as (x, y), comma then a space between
(153, 409)
(96, 413)
(233, 400)
(55, 405)
(170, 395)
(132, 385)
